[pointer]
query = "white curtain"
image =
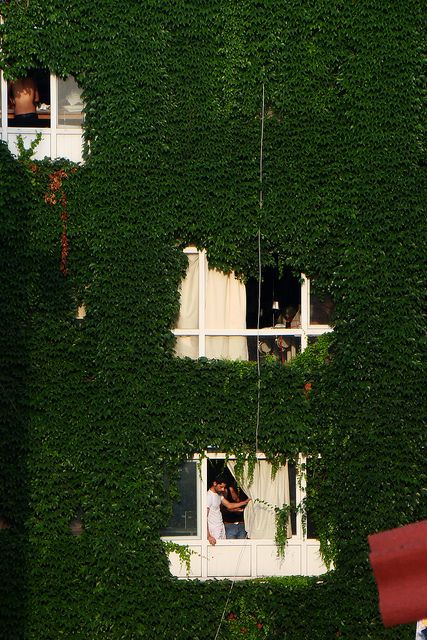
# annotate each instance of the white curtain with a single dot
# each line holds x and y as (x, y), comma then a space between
(188, 346)
(266, 492)
(225, 308)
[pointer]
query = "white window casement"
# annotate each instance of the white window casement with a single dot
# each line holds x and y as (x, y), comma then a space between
(59, 110)
(219, 314)
(256, 555)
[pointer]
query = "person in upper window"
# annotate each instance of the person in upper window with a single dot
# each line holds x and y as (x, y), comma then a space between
(215, 498)
(24, 96)
(290, 317)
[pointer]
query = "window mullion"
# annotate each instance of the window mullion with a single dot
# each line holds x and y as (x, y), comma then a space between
(3, 106)
(53, 114)
(305, 302)
(300, 491)
(204, 516)
(305, 310)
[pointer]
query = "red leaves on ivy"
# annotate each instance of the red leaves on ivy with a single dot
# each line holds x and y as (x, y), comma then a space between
(54, 196)
(307, 388)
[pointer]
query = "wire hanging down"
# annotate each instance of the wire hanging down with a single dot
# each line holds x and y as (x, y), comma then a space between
(258, 354)
(261, 202)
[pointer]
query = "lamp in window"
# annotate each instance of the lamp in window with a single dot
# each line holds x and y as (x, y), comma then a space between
(276, 309)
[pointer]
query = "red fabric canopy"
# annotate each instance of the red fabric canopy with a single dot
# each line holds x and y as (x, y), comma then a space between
(399, 561)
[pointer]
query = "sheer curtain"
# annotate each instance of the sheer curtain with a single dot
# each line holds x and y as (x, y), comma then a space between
(225, 309)
(188, 346)
(260, 518)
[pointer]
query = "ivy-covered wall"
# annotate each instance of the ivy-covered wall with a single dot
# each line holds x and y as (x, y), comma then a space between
(94, 412)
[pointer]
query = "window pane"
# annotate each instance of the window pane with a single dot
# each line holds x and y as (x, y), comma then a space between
(280, 348)
(70, 105)
(189, 308)
(225, 301)
(292, 473)
(321, 309)
(29, 100)
(226, 348)
(280, 299)
(187, 347)
(184, 510)
(311, 527)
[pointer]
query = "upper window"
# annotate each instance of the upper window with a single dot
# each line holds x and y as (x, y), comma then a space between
(219, 314)
(29, 100)
(41, 100)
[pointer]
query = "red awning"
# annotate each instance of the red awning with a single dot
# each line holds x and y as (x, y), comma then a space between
(399, 561)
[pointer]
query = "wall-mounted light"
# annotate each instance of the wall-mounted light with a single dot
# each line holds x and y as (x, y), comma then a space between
(81, 312)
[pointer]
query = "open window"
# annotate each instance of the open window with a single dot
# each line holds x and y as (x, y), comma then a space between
(29, 100)
(40, 100)
(41, 103)
(255, 553)
(219, 314)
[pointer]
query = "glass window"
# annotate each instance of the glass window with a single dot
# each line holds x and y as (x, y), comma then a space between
(184, 512)
(280, 300)
(311, 526)
(70, 104)
(218, 317)
(29, 100)
(279, 347)
(187, 347)
(226, 348)
(245, 536)
(212, 315)
(321, 308)
(266, 490)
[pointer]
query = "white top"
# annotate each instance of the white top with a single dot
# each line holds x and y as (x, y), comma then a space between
(421, 632)
(215, 522)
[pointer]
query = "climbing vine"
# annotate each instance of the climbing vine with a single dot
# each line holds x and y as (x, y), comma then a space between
(97, 411)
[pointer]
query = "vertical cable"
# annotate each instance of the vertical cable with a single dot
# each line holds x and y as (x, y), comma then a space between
(261, 156)
(257, 345)
(261, 202)
(257, 340)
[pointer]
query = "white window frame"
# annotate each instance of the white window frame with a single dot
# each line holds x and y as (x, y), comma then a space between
(304, 332)
(301, 553)
(50, 133)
